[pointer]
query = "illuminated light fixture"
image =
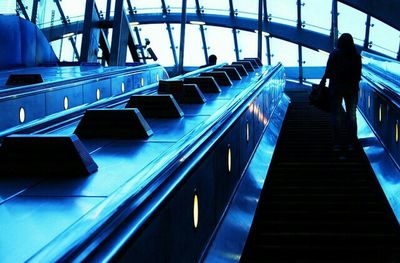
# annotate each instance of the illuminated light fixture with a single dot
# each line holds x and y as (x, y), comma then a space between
(98, 94)
(200, 23)
(142, 82)
(247, 132)
(66, 103)
(266, 34)
(123, 87)
(229, 158)
(22, 115)
(134, 23)
(397, 132)
(380, 113)
(369, 101)
(251, 107)
(195, 210)
(68, 35)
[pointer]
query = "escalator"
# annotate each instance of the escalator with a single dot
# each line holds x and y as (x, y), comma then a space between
(318, 205)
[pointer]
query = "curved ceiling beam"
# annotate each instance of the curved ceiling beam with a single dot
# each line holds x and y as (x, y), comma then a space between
(388, 12)
(307, 38)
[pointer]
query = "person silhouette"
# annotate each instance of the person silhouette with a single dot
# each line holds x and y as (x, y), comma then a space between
(343, 70)
(212, 60)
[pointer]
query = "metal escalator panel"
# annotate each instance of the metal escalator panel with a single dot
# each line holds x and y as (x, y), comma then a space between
(318, 205)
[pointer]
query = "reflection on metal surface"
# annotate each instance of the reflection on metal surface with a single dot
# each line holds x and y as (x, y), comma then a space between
(386, 171)
(397, 132)
(247, 132)
(141, 82)
(195, 211)
(229, 159)
(22, 115)
(66, 103)
(369, 101)
(230, 237)
(123, 87)
(158, 77)
(98, 94)
(380, 113)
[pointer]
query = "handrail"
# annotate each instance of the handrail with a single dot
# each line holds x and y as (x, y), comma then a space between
(33, 88)
(161, 179)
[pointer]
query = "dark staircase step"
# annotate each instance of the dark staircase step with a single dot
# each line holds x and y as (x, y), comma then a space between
(318, 205)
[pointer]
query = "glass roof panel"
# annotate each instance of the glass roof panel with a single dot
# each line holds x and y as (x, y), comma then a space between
(246, 8)
(73, 11)
(220, 7)
(176, 5)
(48, 14)
(220, 42)
(285, 52)
(352, 21)
(8, 7)
(148, 6)
(247, 42)
(314, 58)
(317, 15)
(194, 53)
(384, 38)
(283, 11)
(158, 36)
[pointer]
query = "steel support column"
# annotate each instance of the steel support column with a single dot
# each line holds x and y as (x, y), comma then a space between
(108, 11)
(260, 29)
(23, 10)
(34, 11)
(367, 29)
(182, 40)
(233, 21)
(203, 37)
(300, 51)
(171, 37)
(266, 21)
(119, 37)
(131, 42)
(334, 27)
(91, 34)
(65, 22)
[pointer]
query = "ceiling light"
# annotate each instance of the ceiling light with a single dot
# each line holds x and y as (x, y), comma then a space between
(197, 23)
(68, 35)
(266, 34)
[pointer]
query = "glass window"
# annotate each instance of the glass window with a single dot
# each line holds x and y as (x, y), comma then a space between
(148, 6)
(159, 42)
(56, 45)
(352, 21)
(220, 42)
(313, 58)
(194, 52)
(247, 42)
(283, 11)
(246, 8)
(384, 38)
(176, 6)
(316, 15)
(72, 10)
(8, 7)
(48, 14)
(220, 7)
(102, 7)
(63, 48)
(264, 57)
(285, 52)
